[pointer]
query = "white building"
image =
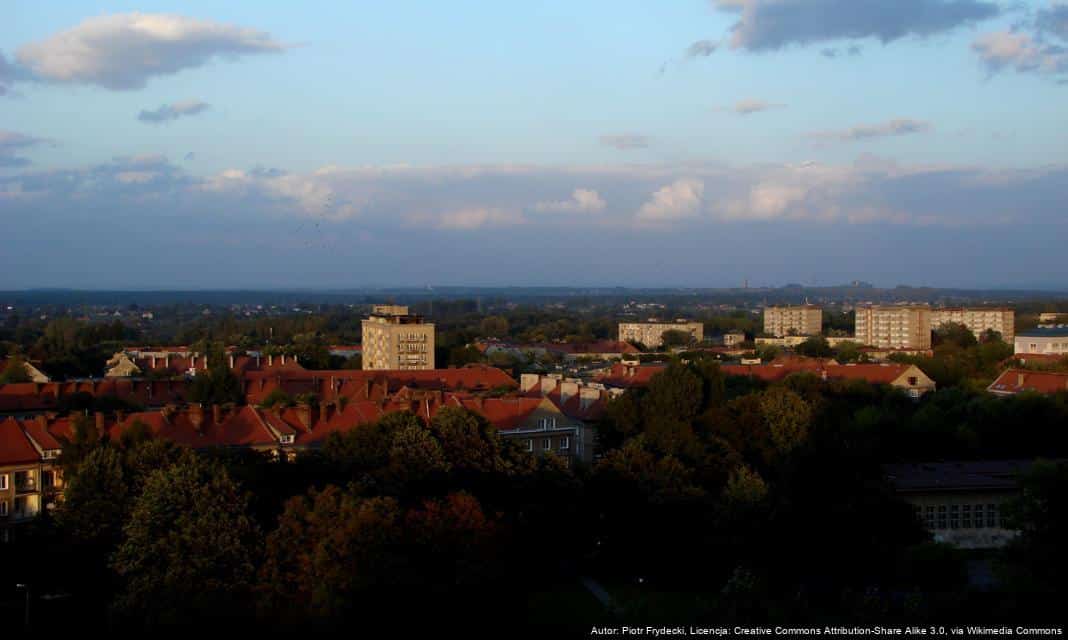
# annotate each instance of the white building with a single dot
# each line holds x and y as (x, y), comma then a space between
(894, 326)
(978, 320)
(1043, 340)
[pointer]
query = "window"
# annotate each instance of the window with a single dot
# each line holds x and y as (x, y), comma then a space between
(547, 444)
(978, 516)
(3, 481)
(954, 516)
(929, 517)
(547, 423)
(966, 516)
(530, 444)
(991, 515)
(3, 508)
(565, 443)
(942, 516)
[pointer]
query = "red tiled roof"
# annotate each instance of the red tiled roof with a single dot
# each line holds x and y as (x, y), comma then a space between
(1014, 381)
(15, 447)
(622, 375)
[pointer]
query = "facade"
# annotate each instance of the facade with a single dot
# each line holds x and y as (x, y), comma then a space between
(800, 320)
(960, 503)
(894, 326)
(393, 339)
(1045, 340)
(733, 339)
(29, 480)
(978, 320)
(651, 334)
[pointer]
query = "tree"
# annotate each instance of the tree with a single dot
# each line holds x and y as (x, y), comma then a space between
(218, 385)
(676, 338)
(494, 327)
(189, 548)
(957, 334)
(674, 394)
(745, 487)
(788, 417)
(14, 371)
(470, 443)
(96, 499)
(1040, 514)
(815, 347)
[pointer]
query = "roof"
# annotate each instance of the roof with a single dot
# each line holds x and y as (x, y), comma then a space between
(999, 475)
(1060, 331)
(15, 447)
(629, 375)
(1013, 381)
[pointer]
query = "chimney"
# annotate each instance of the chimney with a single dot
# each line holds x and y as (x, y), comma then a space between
(568, 390)
(216, 414)
(547, 384)
(99, 416)
(528, 381)
(270, 360)
(196, 416)
(42, 421)
(283, 358)
(1019, 379)
(257, 362)
(231, 361)
(304, 414)
(587, 396)
(367, 388)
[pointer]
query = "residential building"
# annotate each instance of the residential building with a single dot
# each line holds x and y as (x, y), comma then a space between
(978, 320)
(1052, 317)
(396, 339)
(1013, 381)
(894, 326)
(798, 320)
(29, 481)
(1043, 340)
(651, 334)
(961, 503)
(909, 378)
(733, 339)
(33, 374)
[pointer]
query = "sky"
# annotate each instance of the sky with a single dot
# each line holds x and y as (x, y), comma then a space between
(691, 143)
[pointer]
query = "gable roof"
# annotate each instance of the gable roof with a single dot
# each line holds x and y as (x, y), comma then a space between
(1013, 381)
(15, 447)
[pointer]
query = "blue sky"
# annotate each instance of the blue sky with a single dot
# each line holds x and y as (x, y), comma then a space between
(691, 142)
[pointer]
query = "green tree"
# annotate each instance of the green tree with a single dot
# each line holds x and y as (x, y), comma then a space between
(14, 371)
(676, 338)
(96, 499)
(788, 417)
(189, 548)
(815, 347)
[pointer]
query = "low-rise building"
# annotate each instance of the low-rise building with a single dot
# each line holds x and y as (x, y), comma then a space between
(1014, 381)
(961, 503)
(29, 479)
(895, 326)
(733, 338)
(798, 320)
(978, 320)
(651, 334)
(1043, 340)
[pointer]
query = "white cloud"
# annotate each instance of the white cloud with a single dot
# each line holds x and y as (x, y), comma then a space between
(1020, 51)
(582, 201)
(896, 127)
(680, 199)
(123, 51)
(168, 112)
(750, 106)
(477, 217)
(11, 143)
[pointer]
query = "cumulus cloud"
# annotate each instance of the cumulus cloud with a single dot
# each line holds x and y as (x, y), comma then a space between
(471, 218)
(12, 143)
(124, 51)
(896, 127)
(582, 201)
(1037, 46)
(680, 199)
(169, 112)
(765, 25)
(625, 141)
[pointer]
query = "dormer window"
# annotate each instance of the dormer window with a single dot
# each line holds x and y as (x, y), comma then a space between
(286, 439)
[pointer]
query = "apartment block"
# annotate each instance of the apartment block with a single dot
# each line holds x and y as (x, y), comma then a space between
(1051, 341)
(395, 339)
(799, 320)
(978, 320)
(651, 334)
(894, 326)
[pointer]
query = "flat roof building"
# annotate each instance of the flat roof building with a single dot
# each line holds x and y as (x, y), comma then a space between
(396, 339)
(799, 320)
(651, 334)
(894, 326)
(1043, 340)
(978, 320)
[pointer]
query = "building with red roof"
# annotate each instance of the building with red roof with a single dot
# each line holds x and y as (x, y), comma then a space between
(1014, 381)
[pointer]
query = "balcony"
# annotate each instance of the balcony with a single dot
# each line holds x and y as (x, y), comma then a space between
(25, 483)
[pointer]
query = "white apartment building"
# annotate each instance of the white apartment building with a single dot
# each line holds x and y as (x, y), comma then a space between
(651, 334)
(799, 320)
(894, 326)
(978, 320)
(394, 339)
(1043, 340)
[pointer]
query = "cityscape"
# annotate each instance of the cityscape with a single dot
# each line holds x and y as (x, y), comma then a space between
(615, 318)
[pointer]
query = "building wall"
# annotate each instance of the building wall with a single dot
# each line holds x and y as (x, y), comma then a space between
(389, 345)
(29, 488)
(802, 320)
(1054, 345)
(978, 320)
(899, 327)
(946, 514)
(651, 334)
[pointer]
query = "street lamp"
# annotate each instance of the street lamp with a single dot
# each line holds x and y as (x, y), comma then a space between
(26, 620)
